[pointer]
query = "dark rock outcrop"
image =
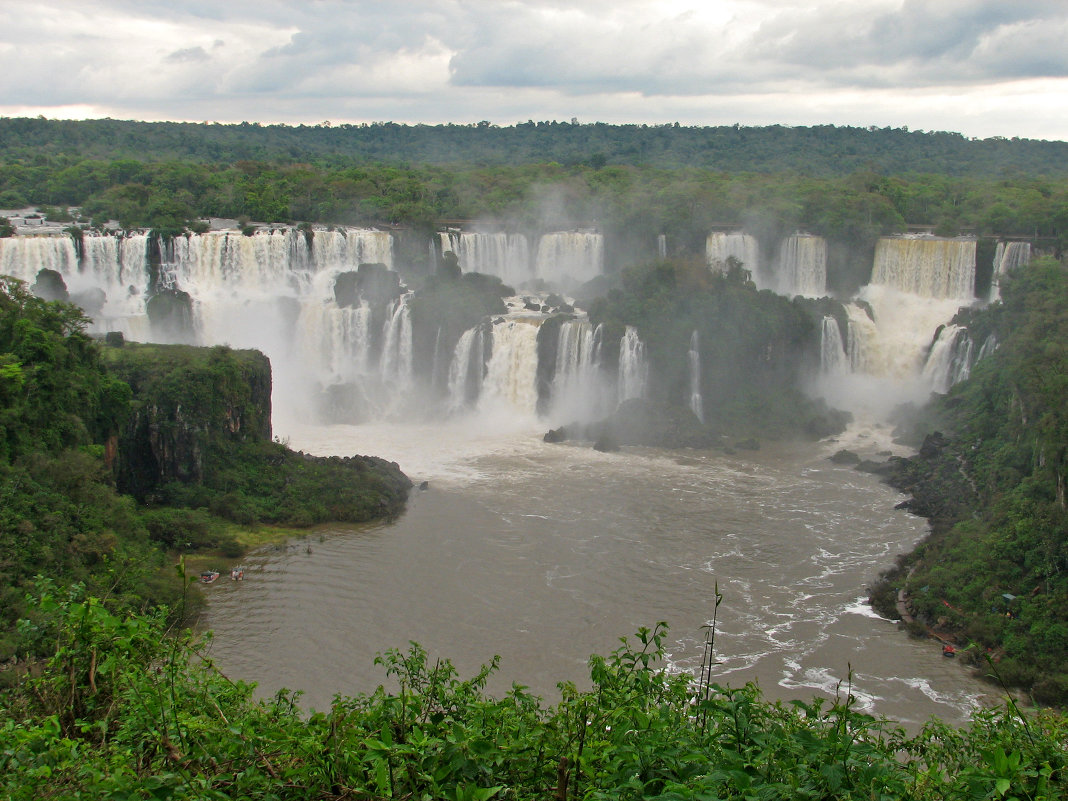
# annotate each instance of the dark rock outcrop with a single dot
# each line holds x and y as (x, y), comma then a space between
(845, 457)
(50, 286)
(190, 404)
(170, 314)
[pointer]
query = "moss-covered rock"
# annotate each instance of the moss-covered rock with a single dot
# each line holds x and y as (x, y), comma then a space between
(200, 436)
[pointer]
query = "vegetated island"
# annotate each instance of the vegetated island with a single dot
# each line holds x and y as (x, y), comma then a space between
(115, 459)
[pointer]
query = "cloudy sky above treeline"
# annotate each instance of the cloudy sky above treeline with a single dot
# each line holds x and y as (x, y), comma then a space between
(980, 67)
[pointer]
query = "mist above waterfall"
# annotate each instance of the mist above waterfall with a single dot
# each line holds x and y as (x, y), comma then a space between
(350, 341)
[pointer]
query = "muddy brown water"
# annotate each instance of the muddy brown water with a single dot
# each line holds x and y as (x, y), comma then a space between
(545, 554)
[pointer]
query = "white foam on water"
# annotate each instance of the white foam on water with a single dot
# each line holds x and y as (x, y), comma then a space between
(863, 608)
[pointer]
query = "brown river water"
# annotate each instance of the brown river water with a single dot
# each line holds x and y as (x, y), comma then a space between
(545, 554)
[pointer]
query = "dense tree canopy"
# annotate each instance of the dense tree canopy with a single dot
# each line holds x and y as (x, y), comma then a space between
(850, 185)
(815, 150)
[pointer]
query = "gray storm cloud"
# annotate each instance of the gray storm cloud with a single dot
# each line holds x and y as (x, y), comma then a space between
(458, 60)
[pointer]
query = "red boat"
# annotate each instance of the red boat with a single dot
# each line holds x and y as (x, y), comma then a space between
(209, 576)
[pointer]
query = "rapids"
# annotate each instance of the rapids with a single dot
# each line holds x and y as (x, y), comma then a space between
(545, 554)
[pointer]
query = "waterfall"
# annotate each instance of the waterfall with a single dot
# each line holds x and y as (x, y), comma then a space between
(577, 391)
(119, 267)
(633, 368)
(110, 281)
(439, 365)
(862, 342)
(661, 246)
(926, 266)
(802, 268)
(833, 360)
(506, 256)
(721, 246)
(990, 344)
(466, 369)
(694, 355)
(1008, 256)
(511, 375)
(272, 291)
(569, 258)
(396, 361)
(950, 359)
(335, 342)
(918, 284)
(347, 248)
(25, 256)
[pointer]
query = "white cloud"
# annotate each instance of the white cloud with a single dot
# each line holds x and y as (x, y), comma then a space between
(984, 67)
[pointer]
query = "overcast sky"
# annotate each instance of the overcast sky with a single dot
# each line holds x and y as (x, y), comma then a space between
(980, 67)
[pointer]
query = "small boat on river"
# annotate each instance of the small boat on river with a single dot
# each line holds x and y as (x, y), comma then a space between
(208, 576)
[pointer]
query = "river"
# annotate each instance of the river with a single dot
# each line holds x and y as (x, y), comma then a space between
(545, 554)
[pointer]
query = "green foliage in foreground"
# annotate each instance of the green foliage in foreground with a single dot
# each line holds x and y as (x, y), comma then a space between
(997, 492)
(121, 711)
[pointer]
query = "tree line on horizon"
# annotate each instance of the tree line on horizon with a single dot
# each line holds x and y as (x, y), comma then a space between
(812, 150)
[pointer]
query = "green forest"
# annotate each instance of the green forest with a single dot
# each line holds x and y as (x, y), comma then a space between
(816, 150)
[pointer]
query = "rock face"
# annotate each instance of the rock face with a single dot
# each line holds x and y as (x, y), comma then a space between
(938, 487)
(170, 313)
(375, 283)
(199, 436)
(50, 286)
(190, 405)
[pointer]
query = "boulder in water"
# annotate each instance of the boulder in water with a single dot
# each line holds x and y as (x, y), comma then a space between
(642, 422)
(377, 284)
(887, 470)
(555, 435)
(845, 457)
(346, 293)
(50, 286)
